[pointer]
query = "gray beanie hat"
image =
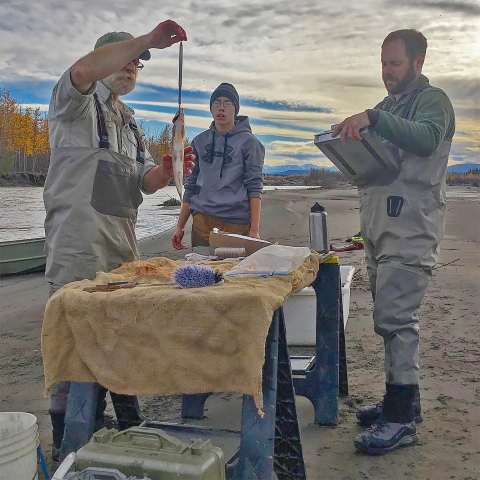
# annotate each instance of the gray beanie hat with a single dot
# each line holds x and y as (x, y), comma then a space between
(229, 91)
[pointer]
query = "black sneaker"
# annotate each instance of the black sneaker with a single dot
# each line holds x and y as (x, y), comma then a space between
(384, 437)
(370, 414)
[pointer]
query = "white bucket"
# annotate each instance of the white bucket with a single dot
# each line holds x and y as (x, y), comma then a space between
(18, 446)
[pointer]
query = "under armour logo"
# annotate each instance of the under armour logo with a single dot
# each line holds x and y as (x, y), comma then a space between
(208, 157)
(394, 206)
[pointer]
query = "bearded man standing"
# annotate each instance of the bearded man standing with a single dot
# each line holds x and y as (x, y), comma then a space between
(402, 222)
(99, 167)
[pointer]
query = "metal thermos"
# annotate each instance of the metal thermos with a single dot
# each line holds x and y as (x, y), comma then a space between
(318, 229)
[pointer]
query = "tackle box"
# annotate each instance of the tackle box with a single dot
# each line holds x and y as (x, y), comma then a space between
(152, 453)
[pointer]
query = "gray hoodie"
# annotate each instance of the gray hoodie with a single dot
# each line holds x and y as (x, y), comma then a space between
(227, 172)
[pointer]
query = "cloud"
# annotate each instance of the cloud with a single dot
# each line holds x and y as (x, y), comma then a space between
(465, 8)
(272, 51)
(464, 92)
(299, 67)
(280, 147)
(281, 152)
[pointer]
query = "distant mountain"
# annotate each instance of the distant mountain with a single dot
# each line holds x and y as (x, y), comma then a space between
(294, 169)
(463, 167)
(305, 167)
(290, 172)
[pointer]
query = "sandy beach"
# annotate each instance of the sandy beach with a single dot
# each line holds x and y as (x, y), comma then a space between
(449, 445)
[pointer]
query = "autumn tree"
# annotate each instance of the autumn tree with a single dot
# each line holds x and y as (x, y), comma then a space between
(160, 143)
(8, 107)
(23, 136)
(24, 142)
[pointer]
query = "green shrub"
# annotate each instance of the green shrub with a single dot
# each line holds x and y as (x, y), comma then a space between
(171, 202)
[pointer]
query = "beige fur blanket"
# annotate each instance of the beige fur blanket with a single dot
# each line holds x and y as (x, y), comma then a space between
(163, 339)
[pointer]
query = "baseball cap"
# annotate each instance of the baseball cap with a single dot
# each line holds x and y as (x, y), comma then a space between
(112, 37)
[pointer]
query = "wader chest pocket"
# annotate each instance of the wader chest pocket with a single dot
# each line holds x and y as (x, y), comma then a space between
(115, 190)
(394, 206)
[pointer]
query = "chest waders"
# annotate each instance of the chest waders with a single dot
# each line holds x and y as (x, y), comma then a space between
(91, 197)
(402, 224)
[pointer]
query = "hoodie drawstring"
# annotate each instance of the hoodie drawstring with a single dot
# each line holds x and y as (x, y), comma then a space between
(212, 152)
(224, 155)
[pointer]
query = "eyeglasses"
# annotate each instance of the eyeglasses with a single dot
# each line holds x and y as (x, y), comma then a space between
(226, 103)
(136, 64)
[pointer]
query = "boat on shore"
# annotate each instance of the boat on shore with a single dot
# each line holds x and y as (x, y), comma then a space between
(22, 256)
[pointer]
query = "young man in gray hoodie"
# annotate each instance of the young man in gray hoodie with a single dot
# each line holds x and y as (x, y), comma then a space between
(226, 184)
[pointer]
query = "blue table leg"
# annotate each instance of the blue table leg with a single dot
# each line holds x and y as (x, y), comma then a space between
(80, 416)
(289, 464)
(321, 384)
(272, 443)
(257, 440)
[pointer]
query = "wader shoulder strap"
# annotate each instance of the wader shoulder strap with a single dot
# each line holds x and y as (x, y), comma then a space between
(406, 110)
(101, 127)
(103, 134)
(138, 137)
(379, 106)
(408, 105)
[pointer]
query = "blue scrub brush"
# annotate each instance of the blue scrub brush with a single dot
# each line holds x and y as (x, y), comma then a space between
(195, 276)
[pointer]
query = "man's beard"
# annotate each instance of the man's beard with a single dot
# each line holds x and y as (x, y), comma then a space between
(401, 85)
(120, 83)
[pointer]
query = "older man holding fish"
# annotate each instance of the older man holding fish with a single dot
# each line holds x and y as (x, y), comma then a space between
(99, 167)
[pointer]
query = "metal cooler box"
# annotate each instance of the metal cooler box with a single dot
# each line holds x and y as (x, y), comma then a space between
(367, 161)
(152, 453)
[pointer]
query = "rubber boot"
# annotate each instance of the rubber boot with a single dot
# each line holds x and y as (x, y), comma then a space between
(58, 429)
(370, 414)
(127, 410)
(396, 426)
(101, 407)
(58, 425)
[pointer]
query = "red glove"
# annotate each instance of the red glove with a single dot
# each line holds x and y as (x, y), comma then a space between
(188, 159)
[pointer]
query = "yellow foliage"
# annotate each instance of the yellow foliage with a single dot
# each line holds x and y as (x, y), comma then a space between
(24, 135)
(23, 132)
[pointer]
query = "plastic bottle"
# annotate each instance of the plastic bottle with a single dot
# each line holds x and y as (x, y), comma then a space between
(318, 229)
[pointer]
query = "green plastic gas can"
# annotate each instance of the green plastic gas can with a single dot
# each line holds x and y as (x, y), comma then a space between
(152, 453)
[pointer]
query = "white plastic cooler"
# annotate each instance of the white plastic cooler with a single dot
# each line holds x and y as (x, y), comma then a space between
(300, 310)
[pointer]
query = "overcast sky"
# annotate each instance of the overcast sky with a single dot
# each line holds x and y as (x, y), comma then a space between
(299, 66)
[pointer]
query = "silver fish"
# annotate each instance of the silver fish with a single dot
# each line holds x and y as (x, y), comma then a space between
(178, 144)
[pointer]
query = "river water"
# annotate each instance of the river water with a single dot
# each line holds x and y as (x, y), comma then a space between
(22, 213)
